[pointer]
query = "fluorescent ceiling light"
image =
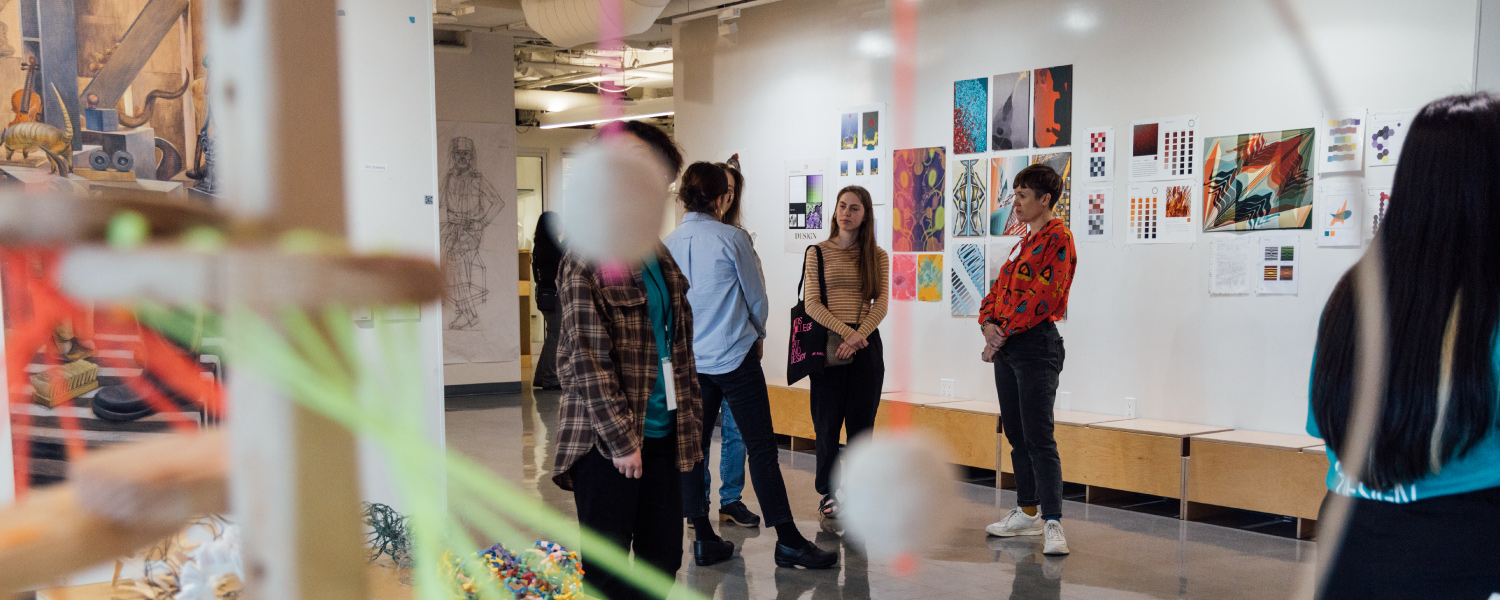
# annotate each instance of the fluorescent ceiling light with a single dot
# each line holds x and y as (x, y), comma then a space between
(594, 115)
(598, 121)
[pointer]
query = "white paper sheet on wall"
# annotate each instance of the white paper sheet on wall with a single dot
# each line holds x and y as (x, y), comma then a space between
(1336, 213)
(1230, 265)
(1385, 135)
(1341, 137)
(1163, 212)
(808, 206)
(1377, 201)
(1099, 160)
(1097, 214)
(1162, 149)
(1279, 256)
(861, 154)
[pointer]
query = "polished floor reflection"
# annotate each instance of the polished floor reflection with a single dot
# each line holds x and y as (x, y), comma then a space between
(1116, 553)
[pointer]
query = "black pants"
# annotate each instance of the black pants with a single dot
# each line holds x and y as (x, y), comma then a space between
(1442, 547)
(744, 390)
(644, 515)
(546, 363)
(1026, 372)
(845, 397)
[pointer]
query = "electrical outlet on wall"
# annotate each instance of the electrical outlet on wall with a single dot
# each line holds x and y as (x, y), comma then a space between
(946, 389)
(1129, 407)
(1065, 400)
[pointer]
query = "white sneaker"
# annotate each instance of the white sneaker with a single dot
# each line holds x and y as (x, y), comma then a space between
(1056, 544)
(1016, 522)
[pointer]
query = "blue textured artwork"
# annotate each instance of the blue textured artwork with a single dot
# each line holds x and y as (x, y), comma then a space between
(971, 105)
(967, 278)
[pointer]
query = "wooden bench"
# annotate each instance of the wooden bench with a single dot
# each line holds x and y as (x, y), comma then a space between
(791, 411)
(1251, 470)
(967, 429)
(1064, 426)
(1132, 455)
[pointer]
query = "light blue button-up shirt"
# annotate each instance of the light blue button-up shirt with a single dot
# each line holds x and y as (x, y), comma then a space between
(727, 295)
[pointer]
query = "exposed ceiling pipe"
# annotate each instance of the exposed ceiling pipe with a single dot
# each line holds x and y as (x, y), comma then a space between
(541, 83)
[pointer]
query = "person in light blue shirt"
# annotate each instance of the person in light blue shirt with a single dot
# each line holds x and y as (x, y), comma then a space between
(1425, 505)
(729, 320)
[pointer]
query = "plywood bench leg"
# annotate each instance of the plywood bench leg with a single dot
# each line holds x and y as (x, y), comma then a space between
(1306, 528)
(1005, 480)
(803, 444)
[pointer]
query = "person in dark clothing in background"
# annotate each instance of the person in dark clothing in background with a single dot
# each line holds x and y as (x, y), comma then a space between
(546, 255)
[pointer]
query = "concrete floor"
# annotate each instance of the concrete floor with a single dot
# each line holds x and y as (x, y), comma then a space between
(1116, 553)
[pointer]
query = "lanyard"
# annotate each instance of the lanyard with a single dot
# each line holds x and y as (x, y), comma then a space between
(658, 285)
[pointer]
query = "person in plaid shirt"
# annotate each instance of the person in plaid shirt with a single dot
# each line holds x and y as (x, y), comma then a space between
(1023, 343)
(626, 434)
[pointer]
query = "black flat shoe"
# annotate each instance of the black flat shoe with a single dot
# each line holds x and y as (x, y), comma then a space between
(739, 514)
(712, 553)
(809, 556)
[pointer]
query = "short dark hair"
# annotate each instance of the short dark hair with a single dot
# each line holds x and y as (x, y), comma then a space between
(659, 141)
(1040, 179)
(702, 186)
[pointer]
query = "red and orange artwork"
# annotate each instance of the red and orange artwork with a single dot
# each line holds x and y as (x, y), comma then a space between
(1054, 107)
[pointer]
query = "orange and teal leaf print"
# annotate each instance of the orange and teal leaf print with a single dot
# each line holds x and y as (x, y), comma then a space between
(917, 200)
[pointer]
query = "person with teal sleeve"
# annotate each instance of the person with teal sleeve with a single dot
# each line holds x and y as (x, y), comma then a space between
(1425, 519)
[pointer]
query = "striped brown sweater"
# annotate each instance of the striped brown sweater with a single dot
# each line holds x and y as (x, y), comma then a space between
(845, 302)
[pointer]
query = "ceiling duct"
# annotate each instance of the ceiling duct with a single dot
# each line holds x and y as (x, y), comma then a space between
(570, 23)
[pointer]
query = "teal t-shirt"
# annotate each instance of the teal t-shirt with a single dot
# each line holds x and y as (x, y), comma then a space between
(660, 422)
(1477, 470)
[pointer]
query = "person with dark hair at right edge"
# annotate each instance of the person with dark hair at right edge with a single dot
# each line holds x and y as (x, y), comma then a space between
(1022, 341)
(1425, 519)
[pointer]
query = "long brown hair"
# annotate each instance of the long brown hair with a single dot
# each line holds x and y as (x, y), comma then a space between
(731, 215)
(869, 262)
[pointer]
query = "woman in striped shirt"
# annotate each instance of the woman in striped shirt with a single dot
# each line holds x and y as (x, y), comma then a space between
(856, 290)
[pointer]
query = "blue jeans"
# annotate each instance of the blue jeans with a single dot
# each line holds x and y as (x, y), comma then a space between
(731, 463)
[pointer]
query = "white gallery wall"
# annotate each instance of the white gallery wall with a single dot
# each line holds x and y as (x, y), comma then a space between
(385, 51)
(1141, 322)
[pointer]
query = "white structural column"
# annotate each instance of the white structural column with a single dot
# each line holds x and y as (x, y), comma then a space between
(274, 98)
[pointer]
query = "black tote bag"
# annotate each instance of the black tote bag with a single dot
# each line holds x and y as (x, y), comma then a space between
(809, 341)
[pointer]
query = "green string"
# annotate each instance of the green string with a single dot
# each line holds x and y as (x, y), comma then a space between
(377, 391)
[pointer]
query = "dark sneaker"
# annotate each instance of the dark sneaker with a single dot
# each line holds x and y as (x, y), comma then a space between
(710, 552)
(736, 512)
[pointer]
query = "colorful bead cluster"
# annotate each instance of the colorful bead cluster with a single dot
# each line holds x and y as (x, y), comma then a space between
(546, 571)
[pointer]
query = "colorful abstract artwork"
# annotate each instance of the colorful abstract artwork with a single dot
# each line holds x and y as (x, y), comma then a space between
(1062, 162)
(874, 166)
(970, 197)
(805, 202)
(904, 277)
(930, 277)
(859, 167)
(870, 125)
(1341, 144)
(1054, 107)
(971, 105)
(1259, 181)
(843, 168)
(966, 278)
(1385, 136)
(849, 131)
(1003, 220)
(917, 200)
(1010, 115)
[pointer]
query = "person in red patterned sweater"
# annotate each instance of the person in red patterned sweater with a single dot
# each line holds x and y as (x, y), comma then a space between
(1023, 343)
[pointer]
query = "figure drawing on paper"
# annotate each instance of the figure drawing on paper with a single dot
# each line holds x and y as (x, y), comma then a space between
(470, 203)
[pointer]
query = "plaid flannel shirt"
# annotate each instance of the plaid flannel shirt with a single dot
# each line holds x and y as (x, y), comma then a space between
(607, 362)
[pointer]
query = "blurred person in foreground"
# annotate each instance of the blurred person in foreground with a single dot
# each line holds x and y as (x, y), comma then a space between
(1426, 509)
